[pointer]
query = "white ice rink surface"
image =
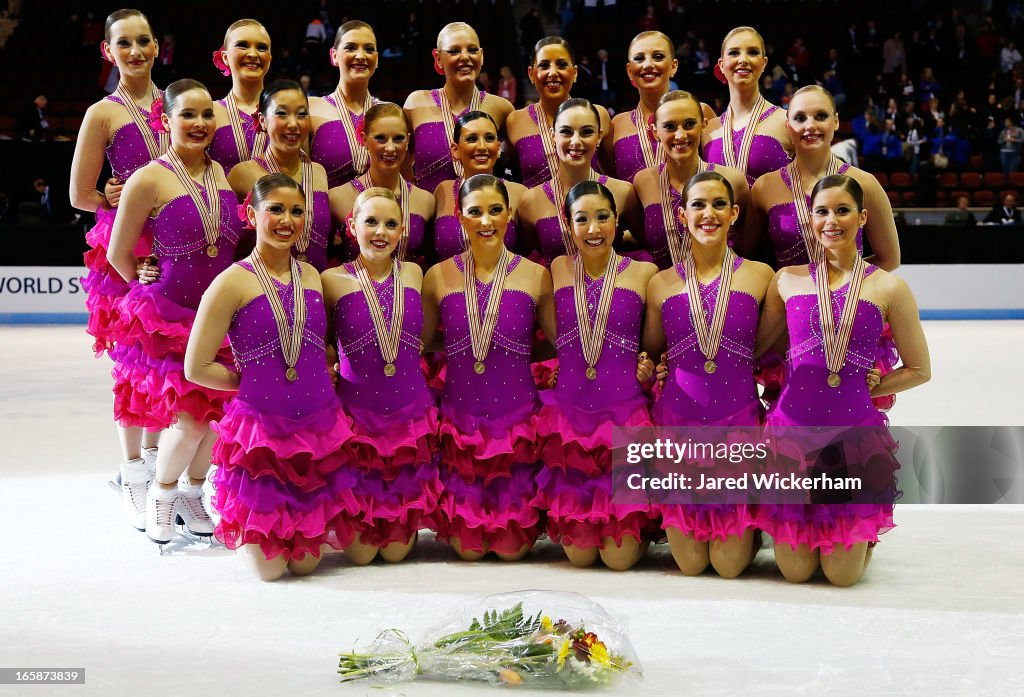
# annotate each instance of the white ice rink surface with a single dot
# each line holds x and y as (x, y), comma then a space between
(939, 612)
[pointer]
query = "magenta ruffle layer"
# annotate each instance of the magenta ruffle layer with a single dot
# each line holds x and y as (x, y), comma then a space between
(286, 484)
(386, 443)
(150, 388)
(825, 525)
(103, 286)
(487, 448)
(572, 438)
(707, 521)
(581, 512)
(298, 452)
(500, 510)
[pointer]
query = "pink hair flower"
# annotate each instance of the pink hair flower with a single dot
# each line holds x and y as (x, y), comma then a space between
(156, 110)
(243, 209)
(218, 61)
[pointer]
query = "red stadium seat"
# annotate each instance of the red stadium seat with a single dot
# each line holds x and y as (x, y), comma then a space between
(908, 198)
(949, 180)
(970, 180)
(954, 196)
(1017, 180)
(994, 180)
(977, 163)
(941, 199)
(882, 177)
(901, 180)
(894, 198)
(1007, 192)
(984, 198)
(72, 124)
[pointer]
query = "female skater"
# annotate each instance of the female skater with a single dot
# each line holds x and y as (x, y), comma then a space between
(553, 73)
(284, 487)
(284, 118)
(183, 201)
(118, 127)
(751, 134)
(385, 132)
(710, 344)
(459, 58)
(475, 147)
(487, 299)
(599, 304)
(577, 132)
(679, 124)
(378, 320)
(833, 310)
(245, 56)
(338, 116)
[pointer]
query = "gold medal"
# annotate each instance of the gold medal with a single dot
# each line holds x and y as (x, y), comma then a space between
(291, 374)
(390, 370)
(834, 380)
(479, 367)
(710, 367)
(591, 373)
(212, 251)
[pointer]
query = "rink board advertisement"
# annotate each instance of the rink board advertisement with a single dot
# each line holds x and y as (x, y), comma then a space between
(54, 294)
(42, 294)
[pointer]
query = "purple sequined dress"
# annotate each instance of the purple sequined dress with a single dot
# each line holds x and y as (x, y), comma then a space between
(150, 388)
(722, 400)
(810, 414)
(533, 162)
(330, 147)
(223, 148)
(576, 423)
(655, 235)
(103, 286)
(322, 229)
(766, 153)
(433, 155)
(395, 419)
(283, 480)
(629, 157)
(549, 230)
(488, 434)
(449, 239)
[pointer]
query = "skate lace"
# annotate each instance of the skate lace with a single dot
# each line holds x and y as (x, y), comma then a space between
(137, 494)
(194, 508)
(165, 512)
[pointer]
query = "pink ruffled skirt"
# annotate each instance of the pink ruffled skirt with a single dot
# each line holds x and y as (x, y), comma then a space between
(285, 484)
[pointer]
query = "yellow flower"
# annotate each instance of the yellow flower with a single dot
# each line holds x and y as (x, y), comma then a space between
(563, 653)
(545, 623)
(599, 654)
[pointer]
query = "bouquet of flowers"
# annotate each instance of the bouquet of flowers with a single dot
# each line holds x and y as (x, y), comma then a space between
(537, 639)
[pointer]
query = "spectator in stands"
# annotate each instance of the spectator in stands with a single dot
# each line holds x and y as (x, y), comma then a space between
(1006, 214)
(989, 144)
(164, 70)
(507, 86)
(892, 147)
(906, 87)
(928, 87)
(800, 55)
(892, 110)
(649, 22)
(34, 124)
(832, 83)
(962, 215)
(530, 30)
(916, 143)
(606, 78)
(1010, 140)
(1009, 57)
(894, 55)
(316, 39)
(45, 199)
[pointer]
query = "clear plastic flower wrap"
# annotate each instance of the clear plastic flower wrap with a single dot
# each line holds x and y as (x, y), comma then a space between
(537, 639)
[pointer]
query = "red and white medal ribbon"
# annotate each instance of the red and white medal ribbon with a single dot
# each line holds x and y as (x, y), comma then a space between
(156, 144)
(653, 155)
(360, 155)
(387, 337)
(592, 335)
(803, 213)
(547, 138)
(669, 212)
(290, 338)
(238, 131)
(302, 244)
(405, 203)
(837, 341)
(209, 209)
(709, 337)
(740, 159)
(481, 333)
(449, 120)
